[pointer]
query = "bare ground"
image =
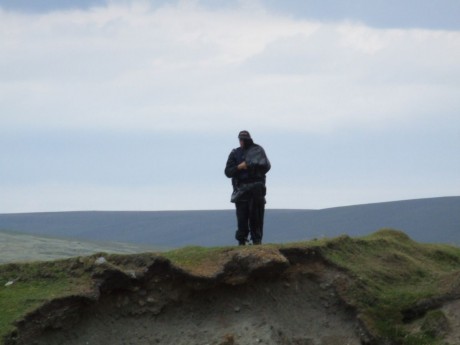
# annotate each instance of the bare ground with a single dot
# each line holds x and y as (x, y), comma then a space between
(256, 296)
(294, 311)
(452, 312)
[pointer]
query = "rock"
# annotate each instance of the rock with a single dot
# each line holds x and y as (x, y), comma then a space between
(325, 286)
(264, 262)
(100, 260)
(229, 339)
(11, 282)
(435, 324)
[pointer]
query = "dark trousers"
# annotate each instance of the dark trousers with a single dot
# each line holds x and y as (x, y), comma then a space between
(250, 215)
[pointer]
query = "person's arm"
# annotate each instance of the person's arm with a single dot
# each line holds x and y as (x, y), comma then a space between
(231, 168)
(267, 166)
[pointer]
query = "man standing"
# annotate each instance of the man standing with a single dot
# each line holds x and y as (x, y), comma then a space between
(247, 166)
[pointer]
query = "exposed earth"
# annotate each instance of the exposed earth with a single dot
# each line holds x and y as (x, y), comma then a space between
(256, 297)
(238, 296)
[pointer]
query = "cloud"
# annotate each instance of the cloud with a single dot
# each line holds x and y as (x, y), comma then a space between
(186, 67)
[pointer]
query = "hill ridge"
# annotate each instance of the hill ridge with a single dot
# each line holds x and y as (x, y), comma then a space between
(427, 220)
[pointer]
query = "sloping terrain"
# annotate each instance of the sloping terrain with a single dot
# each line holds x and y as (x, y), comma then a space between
(380, 289)
(18, 247)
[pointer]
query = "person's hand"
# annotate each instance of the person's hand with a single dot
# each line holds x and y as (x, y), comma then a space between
(242, 166)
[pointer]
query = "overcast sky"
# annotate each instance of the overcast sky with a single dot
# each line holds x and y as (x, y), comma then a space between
(136, 105)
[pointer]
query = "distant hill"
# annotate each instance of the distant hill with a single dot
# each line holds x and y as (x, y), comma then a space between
(434, 220)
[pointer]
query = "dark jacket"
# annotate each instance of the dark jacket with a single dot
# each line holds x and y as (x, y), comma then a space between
(256, 160)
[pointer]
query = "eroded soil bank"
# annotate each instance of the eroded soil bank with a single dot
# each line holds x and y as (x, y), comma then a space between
(382, 290)
(250, 297)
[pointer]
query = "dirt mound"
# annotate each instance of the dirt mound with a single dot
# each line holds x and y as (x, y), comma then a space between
(259, 296)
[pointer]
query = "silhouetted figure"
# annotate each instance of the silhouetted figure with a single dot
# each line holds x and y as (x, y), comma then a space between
(247, 166)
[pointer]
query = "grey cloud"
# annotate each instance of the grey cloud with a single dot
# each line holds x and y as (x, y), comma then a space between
(191, 68)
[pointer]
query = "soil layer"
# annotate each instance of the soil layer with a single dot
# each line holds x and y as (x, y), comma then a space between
(251, 297)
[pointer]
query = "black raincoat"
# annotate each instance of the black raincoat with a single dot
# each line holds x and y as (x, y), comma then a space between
(249, 190)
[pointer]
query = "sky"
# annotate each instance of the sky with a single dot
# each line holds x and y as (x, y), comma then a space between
(136, 105)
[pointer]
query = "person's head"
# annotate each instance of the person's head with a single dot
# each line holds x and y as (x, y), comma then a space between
(245, 139)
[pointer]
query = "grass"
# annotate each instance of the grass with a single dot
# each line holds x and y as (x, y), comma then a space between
(207, 261)
(34, 284)
(192, 257)
(24, 297)
(389, 273)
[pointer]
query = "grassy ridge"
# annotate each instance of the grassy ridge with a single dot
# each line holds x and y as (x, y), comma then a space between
(392, 273)
(34, 284)
(388, 274)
